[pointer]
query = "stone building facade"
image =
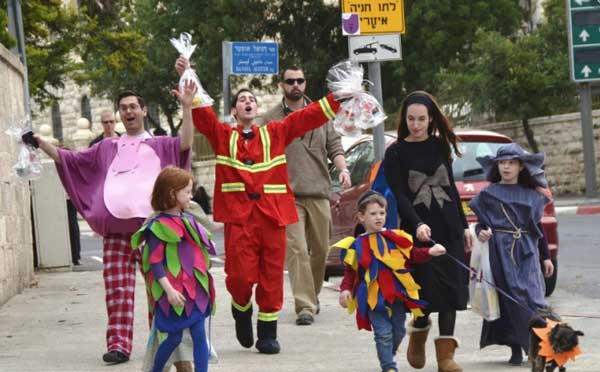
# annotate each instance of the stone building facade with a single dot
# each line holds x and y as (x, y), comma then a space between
(16, 242)
(75, 102)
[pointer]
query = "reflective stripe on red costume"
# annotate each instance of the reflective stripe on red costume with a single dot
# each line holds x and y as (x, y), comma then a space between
(253, 173)
(252, 196)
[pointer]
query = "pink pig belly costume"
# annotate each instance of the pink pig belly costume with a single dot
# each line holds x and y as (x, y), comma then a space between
(110, 184)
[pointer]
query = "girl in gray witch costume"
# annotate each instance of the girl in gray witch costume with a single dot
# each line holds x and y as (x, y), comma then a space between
(510, 212)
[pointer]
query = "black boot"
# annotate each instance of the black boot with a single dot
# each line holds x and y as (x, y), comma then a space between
(516, 358)
(267, 337)
(243, 326)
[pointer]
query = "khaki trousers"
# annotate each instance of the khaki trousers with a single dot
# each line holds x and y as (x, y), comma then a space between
(307, 243)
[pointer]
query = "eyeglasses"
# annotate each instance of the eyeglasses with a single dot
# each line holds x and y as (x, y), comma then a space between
(132, 107)
(108, 122)
(300, 81)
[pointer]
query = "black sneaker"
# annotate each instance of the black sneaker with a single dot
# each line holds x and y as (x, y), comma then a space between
(115, 357)
(305, 319)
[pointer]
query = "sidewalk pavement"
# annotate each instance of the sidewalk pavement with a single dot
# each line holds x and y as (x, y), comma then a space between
(59, 325)
(570, 205)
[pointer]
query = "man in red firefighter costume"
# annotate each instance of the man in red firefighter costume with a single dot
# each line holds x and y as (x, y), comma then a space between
(253, 198)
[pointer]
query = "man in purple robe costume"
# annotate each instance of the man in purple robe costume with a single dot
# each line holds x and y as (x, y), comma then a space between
(110, 184)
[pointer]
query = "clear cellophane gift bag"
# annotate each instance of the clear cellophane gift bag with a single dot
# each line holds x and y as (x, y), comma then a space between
(359, 110)
(186, 48)
(28, 165)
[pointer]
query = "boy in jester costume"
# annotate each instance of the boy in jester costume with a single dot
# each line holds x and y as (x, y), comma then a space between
(176, 264)
(377, 281)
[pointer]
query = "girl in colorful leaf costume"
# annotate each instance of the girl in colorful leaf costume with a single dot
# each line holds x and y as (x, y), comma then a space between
(377, 280)
(175, 261)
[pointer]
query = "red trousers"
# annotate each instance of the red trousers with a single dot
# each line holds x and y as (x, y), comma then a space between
(255, 254)
(119, 282)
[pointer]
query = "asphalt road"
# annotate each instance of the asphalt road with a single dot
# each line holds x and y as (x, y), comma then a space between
(579, 255)
(91, 251)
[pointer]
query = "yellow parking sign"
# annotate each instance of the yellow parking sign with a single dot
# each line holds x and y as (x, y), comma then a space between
(377, 16)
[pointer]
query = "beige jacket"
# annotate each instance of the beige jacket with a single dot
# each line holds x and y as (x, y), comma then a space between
(307, 156)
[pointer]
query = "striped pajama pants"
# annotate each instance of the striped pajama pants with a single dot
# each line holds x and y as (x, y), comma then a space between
(119, 283)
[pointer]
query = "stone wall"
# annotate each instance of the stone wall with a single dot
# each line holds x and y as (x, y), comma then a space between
(560, 138)
(16, 246)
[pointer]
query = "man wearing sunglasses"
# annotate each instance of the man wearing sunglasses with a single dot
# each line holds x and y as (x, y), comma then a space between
(308, 239)
(107, 119)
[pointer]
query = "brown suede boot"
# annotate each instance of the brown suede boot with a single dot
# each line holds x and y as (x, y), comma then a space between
(183, 366)
(415, 354)
(444, 350)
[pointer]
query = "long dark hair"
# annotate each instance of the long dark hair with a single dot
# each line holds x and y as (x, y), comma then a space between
(439, 125)
(524, 178)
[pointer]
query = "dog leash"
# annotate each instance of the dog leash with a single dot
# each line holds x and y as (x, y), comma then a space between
(500, 290)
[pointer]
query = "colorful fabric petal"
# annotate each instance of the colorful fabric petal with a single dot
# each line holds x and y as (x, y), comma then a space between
(146, 260)
(158, 254)
(200, 261)
(186, 256)
(174, 224)
(164, 305)
(157, 290)
(202, 303)
(189, 283)
(202, 279)
(173, 263)
(205, 237)
(164, 233)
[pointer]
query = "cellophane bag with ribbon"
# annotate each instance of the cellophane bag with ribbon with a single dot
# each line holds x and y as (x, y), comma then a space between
(359, 110)
(28, 165)
(186, 48)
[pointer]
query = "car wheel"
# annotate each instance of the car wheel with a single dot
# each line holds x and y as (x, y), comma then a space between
(551, 281)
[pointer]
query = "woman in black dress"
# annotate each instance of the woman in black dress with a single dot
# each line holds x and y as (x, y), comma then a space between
(418, 169)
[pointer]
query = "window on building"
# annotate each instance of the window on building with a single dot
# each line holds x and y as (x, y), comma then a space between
(57, 122)
(86, 109)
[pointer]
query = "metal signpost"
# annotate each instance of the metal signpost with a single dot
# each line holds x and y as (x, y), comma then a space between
(246, 58)
(382, 21)
(584, 57)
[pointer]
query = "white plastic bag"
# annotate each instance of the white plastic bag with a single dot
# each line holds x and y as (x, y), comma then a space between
(359, 110)
(186, 48)
(483, 296)
(28, 165)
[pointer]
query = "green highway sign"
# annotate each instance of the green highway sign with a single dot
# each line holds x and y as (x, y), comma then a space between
(584, 39)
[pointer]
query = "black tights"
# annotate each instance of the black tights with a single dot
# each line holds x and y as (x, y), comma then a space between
(446, 322)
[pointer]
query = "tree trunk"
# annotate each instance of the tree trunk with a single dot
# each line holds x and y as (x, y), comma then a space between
(172, 126)
(530, 135)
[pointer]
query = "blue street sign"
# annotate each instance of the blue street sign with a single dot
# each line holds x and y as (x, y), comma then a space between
(254, 58)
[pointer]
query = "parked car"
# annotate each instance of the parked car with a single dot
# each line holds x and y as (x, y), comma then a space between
(468, 176)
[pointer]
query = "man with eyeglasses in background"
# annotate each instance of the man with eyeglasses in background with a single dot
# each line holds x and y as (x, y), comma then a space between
(308, 239)
(107, 119)
(110, 184)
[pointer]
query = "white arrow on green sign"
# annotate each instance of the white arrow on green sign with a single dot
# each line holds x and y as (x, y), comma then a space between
(584, 40)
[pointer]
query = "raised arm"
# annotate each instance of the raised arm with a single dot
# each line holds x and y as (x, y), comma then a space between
(312, 116)
(186, 98)
(49, 149)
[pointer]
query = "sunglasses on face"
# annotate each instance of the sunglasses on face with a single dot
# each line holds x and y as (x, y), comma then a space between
(299, 81)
